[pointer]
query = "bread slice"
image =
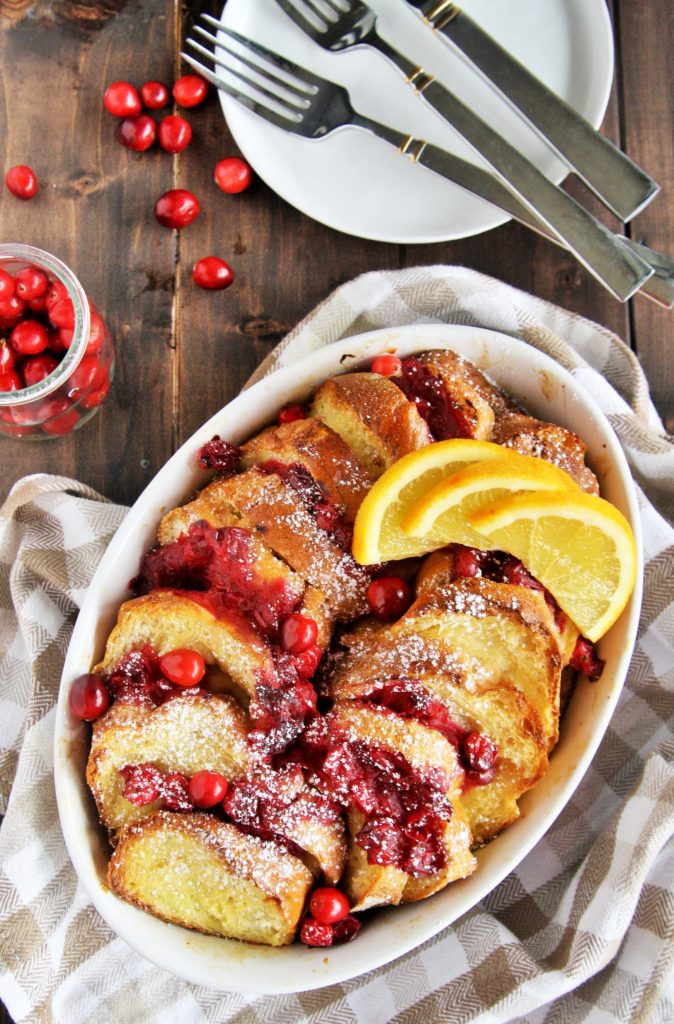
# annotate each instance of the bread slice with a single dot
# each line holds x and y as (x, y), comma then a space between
(371, 414)
(313, 445)
(466, 389)
(459, 860)
(167, 620)
(188, 734)
(547, 441)
(270, 509)
(202, 873)
(323, 842)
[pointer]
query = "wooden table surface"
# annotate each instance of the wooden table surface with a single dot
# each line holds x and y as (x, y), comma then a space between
(181, 352)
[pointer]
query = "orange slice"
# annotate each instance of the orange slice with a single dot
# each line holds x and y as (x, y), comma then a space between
(378, 535)
(578, 546)
(441, 516)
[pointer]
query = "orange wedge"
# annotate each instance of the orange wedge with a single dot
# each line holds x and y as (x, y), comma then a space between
(378, 535)
(441, 516)
(578, 546)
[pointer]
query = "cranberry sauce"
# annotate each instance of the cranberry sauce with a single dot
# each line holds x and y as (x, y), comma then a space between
(139, 680)
(585, 659)
(284, 700)
(405, 810)
(145, 783)
(217, 568)
(444, 417)
(313, 496)
(220, 455)
(409, 698)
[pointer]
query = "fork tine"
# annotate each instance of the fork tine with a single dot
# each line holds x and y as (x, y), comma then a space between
(291, 95)
(277, 62)
(305, 15)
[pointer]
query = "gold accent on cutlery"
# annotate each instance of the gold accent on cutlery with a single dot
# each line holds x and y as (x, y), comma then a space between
(441, 15)
(412, 148)
(419, 80)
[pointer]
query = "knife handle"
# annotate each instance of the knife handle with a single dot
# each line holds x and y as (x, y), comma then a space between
(615, 179)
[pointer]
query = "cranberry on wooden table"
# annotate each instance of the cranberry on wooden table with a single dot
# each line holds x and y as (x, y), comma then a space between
(175, 133)
(121, 99)
(212, 273)
(183, 667)
(177, 208)
(137, 133)
(154, 95)
(206, 789)
(389, 597)
(328, 905)
(88, 697)
(298, 633)
(21, 181)
(190, 90)
(233, 174)
(386, 365)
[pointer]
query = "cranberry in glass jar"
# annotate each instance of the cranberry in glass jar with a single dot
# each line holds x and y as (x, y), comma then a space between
(56, 353)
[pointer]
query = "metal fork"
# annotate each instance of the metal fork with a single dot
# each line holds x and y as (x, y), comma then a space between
(301, 102)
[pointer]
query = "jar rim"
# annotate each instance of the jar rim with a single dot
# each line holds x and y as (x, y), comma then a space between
(46, 261)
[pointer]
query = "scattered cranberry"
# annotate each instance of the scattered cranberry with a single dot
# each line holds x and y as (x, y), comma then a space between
(142, 783)
(190, 90)
(62, 314)
(36, 368)
(386, 365)
(328, 905)
(7, 357)
(177, 208)
(10, 381)
(137, 133)
(292, 411)
(207, 789)
(298, 633)
(122, 100)
(31, 283)
(21, 181)
(183, 667)
(88, 697)
(315, 933)
(175, 133)
(389, 597)
(7, 284)
(29, 337)
(11, 309)
(233, 175)
(155, 95)
(213, 273)
(60, 416)
(308, 661)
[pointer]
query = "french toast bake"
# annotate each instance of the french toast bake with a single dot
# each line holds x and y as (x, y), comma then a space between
(279, 728)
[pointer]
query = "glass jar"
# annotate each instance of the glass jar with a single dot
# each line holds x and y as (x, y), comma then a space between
(48, 390)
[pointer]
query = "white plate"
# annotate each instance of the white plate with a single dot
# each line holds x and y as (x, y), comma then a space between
(359, 184)
(548, 391)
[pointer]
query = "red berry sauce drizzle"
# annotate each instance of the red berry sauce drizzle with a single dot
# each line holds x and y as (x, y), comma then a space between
(313, 496)
(444, 418)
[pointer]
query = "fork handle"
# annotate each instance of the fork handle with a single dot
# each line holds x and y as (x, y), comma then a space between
(622, 271)
(622, 185)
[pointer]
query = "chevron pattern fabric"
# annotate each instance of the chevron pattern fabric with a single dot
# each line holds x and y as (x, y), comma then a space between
(582, 931)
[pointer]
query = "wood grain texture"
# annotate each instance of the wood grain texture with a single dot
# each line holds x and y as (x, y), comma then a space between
(181, 352)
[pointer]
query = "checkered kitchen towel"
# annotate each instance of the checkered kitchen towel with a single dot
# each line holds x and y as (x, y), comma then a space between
(583, 930)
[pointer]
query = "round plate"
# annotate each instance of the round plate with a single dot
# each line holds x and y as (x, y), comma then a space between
(535, 382)
(359, 184)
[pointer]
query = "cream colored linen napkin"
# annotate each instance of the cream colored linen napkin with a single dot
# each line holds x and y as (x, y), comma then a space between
(583, 930)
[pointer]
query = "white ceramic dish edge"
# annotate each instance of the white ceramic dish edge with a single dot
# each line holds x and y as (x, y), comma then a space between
(546, 390)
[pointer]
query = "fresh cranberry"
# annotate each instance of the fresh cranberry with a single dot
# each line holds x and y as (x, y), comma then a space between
(21, 181)
(96, 334)
(56, 291)
(175, 133)
(308, 661)
(207, 789)
(137, 133)
(220, 455)
(10, 381)
(389, 597)
(292, 411)
(94, 398)
(328, 905)
(315, 933)
(7, 357)
(11, 309)
(88, 375)
(56, 344)
(175, 792)
(298, 633)
(60, 416)
(36, 368)
(212, 273)
(345, 930)
(177, 208)
(38, 305)
(7, 285)
(62, 314)
(183, 667)
(29, 337)
(190, 90)
(233, 175)
(142, 783)
(154, 95)
(121, 99)
(386, 365)
(88, 697)
(31, 283)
